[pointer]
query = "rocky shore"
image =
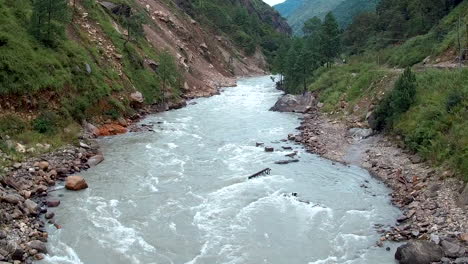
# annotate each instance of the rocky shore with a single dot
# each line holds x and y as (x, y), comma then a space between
(433, 202)
(25, 204)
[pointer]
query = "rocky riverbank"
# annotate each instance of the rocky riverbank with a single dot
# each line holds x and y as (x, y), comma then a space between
(25, 203)
(434, 204)
(26, 206)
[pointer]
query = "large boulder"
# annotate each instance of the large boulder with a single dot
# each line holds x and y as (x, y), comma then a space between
(294, 103)
(452, 249)
(90, 129)
(137, 97)
(95, 160)
(419, 252)
(75, 183)
(37, 245)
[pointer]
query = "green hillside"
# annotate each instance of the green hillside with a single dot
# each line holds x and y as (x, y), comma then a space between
(427, 107)
(299, 11)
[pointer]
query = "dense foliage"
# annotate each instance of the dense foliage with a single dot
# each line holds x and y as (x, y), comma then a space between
(397, 102)
(395, 21)
(48, 20)
(297, 60)
(427, 109)
(248, 28)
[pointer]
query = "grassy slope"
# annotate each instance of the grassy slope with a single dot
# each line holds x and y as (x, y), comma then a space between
(436, 125)
(45, 91)
(440, 39)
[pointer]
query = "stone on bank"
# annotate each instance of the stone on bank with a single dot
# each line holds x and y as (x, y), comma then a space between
(75, 183)
(419, 252)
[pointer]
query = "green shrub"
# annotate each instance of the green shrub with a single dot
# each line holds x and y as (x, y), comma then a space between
(47, 122)
(12, 124)
(397, 102)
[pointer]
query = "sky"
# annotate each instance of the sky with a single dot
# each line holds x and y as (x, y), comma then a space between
(273, 2)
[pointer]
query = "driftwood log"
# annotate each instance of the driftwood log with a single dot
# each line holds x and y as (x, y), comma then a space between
(260, 173)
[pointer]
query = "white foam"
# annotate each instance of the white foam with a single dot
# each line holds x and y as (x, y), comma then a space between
(329, 260)
(172, 145)
(70, 256)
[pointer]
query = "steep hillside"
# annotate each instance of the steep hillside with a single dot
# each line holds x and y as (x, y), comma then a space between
(105, 62)
(299, 11)
(425, 108)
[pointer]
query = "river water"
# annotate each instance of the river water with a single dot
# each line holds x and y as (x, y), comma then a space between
(181, 195)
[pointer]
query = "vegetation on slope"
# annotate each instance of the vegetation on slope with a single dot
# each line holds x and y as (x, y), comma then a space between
(250, 23)
(50, 82)
(426, 108)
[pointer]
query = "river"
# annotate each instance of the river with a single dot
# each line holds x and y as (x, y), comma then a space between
(181, 195)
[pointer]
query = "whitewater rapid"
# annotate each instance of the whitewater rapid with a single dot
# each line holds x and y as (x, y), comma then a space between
(180, 194)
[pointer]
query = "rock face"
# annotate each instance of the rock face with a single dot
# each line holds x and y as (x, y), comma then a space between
(75, 183)
(294, 103)
(418, 252)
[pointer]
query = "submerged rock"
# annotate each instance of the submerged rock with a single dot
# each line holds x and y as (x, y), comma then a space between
(95, 160)
(418, 252)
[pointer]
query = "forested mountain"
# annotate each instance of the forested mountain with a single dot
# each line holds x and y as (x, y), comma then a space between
(359, 72)
(299, 11)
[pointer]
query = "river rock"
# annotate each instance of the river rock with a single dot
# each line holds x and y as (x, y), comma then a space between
(75, 183)
(360, 133)
(418, 252)
(43, 165)
(294, 103)
(90, 129)
(12, 198)
(462, 260)
(49, 215)
(15, 251)
(269, 149)
(37, 245)
(53, 203)
(95, 160)
(452, 249)
(20, 148)
(31, 207)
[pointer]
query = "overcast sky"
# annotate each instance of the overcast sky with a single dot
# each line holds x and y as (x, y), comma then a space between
(273, 2)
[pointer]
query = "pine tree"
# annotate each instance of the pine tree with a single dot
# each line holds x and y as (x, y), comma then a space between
(330, 38)
(312, 26)
(48, 20)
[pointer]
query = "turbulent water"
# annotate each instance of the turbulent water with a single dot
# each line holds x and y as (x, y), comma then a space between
(181, 195)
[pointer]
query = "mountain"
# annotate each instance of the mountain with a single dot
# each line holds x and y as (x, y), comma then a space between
(108, 61)
(298, 11)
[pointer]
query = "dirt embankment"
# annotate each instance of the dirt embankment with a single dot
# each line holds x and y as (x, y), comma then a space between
(433, 205)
